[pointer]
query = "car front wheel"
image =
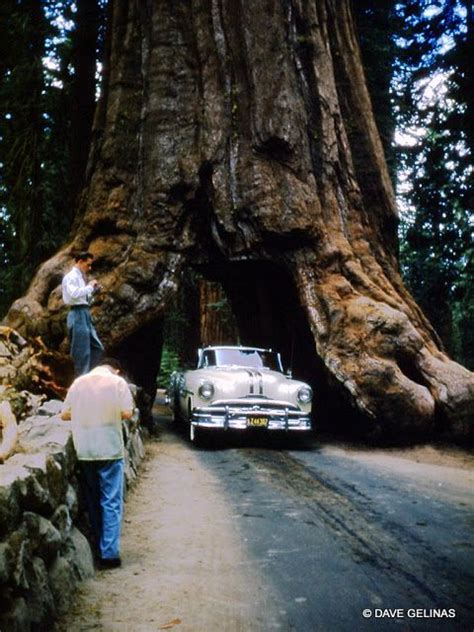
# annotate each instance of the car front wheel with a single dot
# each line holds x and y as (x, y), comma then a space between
(196, 435)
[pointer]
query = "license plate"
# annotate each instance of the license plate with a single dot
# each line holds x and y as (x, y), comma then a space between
(257, 421)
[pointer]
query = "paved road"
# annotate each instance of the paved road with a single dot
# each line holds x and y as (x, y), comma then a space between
(253, 537)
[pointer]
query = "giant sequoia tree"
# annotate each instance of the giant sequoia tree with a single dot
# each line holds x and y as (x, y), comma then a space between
(237, 137)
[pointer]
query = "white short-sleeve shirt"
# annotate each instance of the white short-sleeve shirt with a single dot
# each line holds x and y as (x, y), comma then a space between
(96, 401)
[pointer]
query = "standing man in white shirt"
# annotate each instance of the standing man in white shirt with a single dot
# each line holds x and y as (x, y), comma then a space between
(86, 348)
(97, 403)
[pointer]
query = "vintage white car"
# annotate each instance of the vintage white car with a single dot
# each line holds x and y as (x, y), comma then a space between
(239, 388)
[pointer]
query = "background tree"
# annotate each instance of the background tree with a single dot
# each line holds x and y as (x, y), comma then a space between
(23, 124)
(378, 26)
(49, 53)
(433, 97)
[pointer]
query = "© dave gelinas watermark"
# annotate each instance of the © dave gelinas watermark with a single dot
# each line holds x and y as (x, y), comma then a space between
(409, 613)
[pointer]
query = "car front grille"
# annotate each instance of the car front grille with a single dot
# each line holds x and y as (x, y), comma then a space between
(235, 414)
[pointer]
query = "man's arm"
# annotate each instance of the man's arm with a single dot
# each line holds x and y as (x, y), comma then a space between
(126, 401)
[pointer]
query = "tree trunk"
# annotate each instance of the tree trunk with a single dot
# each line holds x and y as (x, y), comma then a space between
(22, 171)
(83, 92)
(217, 327)
(238, 137)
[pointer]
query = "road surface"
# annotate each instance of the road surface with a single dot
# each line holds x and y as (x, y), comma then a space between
(251, 537)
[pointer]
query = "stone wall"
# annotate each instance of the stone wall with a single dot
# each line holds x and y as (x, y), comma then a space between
(43, 550)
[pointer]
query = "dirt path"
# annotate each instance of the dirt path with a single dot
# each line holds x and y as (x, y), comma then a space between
(184, 566)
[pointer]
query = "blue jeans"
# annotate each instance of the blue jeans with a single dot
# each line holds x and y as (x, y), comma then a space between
(103, 491)
(86, 348)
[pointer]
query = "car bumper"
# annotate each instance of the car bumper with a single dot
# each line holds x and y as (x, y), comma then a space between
(229, 418)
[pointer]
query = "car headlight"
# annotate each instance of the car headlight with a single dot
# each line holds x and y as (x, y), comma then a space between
(305, 394)
(206, 390)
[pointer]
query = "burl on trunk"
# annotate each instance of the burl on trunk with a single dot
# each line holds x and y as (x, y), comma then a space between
(238, 137)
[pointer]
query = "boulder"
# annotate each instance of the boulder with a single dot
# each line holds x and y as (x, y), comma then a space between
(62, 580)
(8, 430)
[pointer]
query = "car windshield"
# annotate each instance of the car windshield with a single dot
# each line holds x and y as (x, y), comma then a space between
(241, 357)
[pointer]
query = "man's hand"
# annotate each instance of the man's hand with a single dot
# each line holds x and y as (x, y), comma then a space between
(127, 414)
(96, 286)
(66, 415)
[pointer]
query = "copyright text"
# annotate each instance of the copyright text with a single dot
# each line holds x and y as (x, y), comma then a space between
(409, 613)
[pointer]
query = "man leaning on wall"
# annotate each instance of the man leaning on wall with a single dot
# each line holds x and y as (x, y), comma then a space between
(97, 402)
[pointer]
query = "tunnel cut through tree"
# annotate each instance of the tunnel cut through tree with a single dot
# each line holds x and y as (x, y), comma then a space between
(242, 133)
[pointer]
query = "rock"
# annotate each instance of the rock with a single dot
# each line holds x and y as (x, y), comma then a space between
(6, 563)
(78, 551)
(71, 501)
(61, 519)
(41, 602)
(23, 403)
(40, 431)
(48, 434)
(63, 583)
(9, 492)
(20, 552)
(31, 482)
(45, 539)
(133, 456)
(17, 619)
(8, 430)
(51, 407)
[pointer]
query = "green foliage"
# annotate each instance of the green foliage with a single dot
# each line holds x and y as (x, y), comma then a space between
(169, 362)
(418, 56)
(435, 167)
(33, 147)
(38, 81)
(463, 317)
(181, 324)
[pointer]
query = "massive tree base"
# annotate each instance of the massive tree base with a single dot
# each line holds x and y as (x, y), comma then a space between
(238, 138)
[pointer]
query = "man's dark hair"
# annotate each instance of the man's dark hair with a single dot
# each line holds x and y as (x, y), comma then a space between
(83, 256)
(113, 363)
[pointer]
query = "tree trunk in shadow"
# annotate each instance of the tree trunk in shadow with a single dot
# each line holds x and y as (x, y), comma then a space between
(217, 325)
(84, 57)
(242, 132)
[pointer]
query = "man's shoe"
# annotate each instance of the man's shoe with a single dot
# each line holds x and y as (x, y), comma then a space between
(109, 562)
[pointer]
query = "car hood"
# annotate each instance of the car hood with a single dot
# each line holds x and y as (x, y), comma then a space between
(235, 382)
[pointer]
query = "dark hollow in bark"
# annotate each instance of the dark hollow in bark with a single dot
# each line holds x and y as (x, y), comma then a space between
(238, 137)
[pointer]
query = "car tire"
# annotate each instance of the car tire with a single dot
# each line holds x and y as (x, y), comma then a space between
(177, 417)
(196, 435)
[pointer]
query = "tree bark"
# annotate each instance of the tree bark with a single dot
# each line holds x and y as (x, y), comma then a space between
(83, 93)
(22, 170)
(217, 326)
(238, 137)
